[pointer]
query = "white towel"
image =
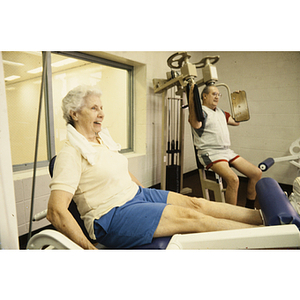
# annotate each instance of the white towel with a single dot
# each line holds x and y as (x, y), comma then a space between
(108, 140)
(80, 143)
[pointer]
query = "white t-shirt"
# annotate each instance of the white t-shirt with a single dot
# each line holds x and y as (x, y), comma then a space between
(96, 188)
(214, 132)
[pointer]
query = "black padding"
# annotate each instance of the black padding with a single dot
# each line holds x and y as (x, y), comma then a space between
(51, 165)
(197, 102)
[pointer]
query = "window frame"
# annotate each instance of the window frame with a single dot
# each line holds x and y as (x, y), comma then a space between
(48, 102)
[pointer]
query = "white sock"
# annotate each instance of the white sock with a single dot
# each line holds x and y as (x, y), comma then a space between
(262, 217)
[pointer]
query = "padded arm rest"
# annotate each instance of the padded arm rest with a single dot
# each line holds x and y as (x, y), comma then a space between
(274, 204)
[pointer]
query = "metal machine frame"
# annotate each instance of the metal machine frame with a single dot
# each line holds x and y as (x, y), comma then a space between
(293, 159)
(188, 74)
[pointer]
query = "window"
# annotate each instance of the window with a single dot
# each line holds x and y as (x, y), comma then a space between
(113, 81)
(23, 75)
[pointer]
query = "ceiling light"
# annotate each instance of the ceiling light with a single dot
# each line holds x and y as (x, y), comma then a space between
(10, 78)
(64, 62)
(12, 63)
(37, 53)
(37, 70)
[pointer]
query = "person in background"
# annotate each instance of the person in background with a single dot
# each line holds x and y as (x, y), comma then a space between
(212, 141)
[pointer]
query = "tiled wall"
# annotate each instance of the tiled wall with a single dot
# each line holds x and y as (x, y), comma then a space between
(23, 190)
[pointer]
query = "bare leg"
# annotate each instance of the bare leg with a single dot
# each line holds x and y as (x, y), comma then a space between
(216, 209)
(182, 219)
(223, 169)
(251, 171)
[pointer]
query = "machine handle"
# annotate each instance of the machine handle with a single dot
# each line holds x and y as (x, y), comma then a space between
(183, 56)
(207, 60)
(39, 216)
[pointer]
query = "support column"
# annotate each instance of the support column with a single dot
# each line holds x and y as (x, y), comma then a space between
(8, 216)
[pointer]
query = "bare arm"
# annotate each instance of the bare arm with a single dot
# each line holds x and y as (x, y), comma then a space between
(192, 113)
(61, 218)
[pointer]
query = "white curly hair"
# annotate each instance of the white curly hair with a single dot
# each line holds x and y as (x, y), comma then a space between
(74, 100)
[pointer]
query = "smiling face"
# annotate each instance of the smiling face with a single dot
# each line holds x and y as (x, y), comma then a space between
(88, 120)
(211, 99)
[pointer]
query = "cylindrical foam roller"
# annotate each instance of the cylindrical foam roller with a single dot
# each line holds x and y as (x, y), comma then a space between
(274, 204)
(266, 164)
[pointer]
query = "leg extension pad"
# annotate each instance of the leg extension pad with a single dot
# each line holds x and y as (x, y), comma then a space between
(274, 204)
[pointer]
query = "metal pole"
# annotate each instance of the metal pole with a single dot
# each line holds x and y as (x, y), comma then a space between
(49, 106)
(37, 145)
(163, 142)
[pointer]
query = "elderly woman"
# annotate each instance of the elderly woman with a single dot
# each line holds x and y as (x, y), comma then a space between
(117, 211)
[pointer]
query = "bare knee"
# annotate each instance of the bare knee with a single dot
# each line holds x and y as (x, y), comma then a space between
(176, 219)
(257, 174)
(198, 204)
(232, 181)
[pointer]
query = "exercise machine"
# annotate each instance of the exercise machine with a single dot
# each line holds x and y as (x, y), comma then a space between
(183, 73)
(294, 158)
(281, 230)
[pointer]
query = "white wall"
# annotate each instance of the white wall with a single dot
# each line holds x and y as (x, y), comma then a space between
(271, 80)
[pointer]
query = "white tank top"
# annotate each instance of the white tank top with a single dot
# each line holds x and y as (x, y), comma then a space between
(214, 131)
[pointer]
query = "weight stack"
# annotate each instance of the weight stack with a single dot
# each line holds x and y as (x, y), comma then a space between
(173, 178)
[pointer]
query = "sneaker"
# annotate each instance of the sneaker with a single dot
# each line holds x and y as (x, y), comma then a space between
(296, 185)
(295, 195)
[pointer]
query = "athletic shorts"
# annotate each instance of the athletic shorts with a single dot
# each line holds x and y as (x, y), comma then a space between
(134, 223)
(212, 156)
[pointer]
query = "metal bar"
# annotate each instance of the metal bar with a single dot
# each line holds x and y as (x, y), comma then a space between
(286, 158)
(94, 59)
(229, 96)
(131, 118)
(36, 147)
(168, 161)
(163, 142)
(181, 143)
(49, 107)
(178, 145)
(169, 84)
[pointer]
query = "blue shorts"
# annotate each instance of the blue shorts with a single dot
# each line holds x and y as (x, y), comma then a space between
(134, 223)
